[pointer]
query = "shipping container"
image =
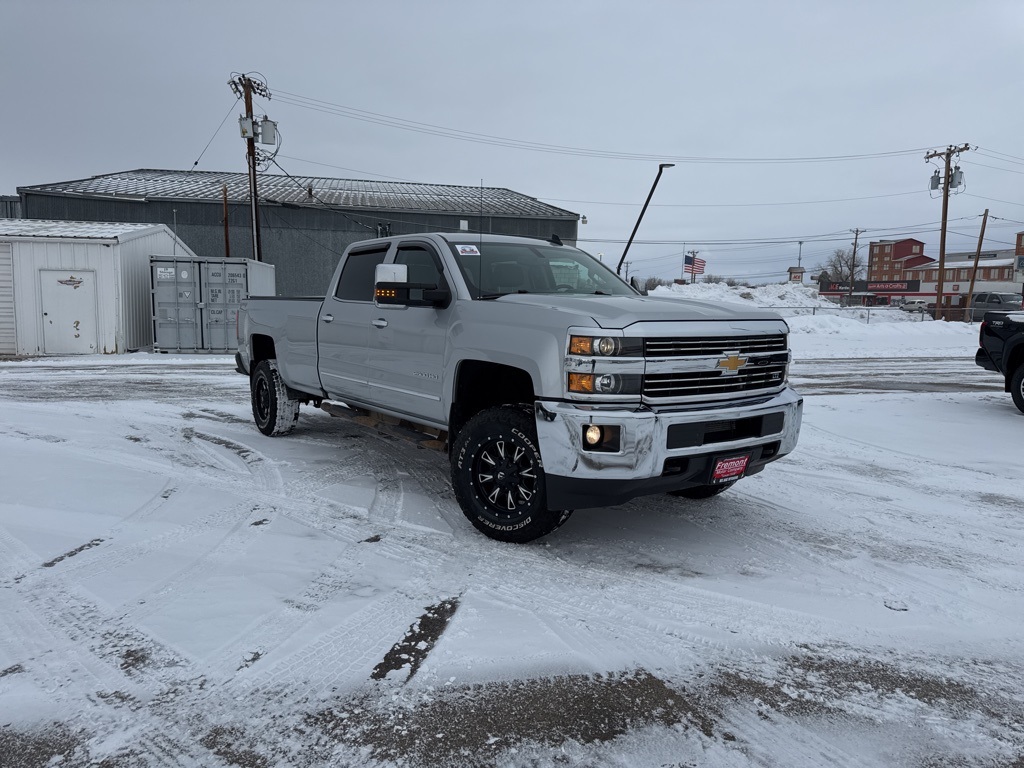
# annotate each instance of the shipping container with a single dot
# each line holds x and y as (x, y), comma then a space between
(196, 300)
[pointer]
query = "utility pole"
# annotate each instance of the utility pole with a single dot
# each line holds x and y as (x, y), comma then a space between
(799, 253)
(974, 271)
(227, 240)
(244, 86)
(946, 155)
(627, 263)
(853, 264)
(693, 274)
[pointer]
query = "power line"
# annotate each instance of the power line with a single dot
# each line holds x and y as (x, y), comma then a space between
(736, 205)
(226, 116)
(341, 110)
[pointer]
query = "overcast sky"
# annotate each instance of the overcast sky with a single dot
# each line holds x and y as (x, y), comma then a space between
(96, 87)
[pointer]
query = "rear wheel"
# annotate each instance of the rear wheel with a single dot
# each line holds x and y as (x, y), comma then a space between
(498, 477)
(1017, 387)
(273, 410)
(703, 491)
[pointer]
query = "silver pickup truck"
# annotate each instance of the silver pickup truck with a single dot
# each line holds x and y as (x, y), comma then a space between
(553, 384)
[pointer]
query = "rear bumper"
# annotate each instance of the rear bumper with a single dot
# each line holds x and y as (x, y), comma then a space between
(982, 358)
(645, 463)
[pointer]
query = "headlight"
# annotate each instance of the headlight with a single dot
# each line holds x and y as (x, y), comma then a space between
(605, 383)
(605, 346)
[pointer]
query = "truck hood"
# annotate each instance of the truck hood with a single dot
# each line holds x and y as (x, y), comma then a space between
(620, 312)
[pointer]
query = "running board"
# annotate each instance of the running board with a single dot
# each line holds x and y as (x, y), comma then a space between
(425, 437)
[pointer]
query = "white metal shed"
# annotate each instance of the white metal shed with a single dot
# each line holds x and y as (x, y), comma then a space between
(78, 287)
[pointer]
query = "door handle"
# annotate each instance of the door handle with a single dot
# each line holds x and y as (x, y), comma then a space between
(380, 322)
(327, 318)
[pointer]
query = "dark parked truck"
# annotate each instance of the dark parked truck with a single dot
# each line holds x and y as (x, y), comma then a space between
(553, 384)
(1001, 349)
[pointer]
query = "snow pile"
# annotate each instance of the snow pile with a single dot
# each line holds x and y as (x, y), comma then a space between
(774, 295)
(820, 328)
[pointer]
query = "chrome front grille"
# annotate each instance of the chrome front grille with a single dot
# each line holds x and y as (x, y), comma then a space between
(691, 384)
(713, 345)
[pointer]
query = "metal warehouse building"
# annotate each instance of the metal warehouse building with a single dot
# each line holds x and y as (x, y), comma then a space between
(71, 287)
(305, 222)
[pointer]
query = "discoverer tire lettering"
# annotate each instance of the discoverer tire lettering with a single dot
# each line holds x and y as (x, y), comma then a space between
(498, 476)
(274, 412)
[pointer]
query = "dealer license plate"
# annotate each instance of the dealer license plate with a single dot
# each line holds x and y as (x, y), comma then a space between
(729, 468)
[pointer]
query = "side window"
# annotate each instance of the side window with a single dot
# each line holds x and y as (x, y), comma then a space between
(423, 266)
(356, 281)
(981, 297)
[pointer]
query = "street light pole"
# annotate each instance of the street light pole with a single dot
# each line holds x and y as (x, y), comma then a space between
(661, 167)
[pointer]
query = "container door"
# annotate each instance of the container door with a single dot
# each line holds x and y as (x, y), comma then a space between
(223, 288)
(176, 324)
(69, 312)
(8, 335)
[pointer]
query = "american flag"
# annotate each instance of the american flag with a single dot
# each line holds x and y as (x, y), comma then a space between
(694, 266)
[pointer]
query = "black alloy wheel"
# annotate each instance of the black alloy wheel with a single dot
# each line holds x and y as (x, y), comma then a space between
(273, 409)
(498, 476)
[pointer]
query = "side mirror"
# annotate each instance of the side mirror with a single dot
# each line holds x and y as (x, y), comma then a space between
(392, 288)
(637, 286)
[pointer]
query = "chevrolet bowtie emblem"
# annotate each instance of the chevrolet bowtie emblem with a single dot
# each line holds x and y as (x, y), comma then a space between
(732, 363)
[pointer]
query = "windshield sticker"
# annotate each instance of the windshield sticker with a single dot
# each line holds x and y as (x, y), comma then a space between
(468, 250)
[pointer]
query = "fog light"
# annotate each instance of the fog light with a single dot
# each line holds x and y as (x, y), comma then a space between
(592, 434)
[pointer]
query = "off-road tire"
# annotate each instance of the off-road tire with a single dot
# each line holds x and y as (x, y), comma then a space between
(498, 476)
(274, 412)
(703, 491)
(1017, 387)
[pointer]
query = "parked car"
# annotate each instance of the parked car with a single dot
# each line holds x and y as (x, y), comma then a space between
(1001, 349)
(994, 302)
(916, 305)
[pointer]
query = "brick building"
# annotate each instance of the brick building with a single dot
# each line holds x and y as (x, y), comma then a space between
(889, 260)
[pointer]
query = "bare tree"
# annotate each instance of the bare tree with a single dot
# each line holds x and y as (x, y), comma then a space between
(842, 266)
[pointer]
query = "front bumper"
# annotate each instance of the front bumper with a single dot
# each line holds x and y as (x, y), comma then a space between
(765, 428)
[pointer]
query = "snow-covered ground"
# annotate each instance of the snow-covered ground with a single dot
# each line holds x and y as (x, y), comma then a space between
(178, 590)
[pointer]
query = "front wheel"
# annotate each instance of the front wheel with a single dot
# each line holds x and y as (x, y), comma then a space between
(1017, 387)
(273, 410)
(703, 491)
(498, 477)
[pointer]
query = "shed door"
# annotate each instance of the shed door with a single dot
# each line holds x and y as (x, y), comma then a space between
(8, 336)
(69, 312)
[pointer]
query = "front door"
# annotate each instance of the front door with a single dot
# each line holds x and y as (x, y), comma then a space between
(407, 344)
(69, 311)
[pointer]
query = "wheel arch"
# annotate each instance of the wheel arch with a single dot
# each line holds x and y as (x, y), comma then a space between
(1013, 360)
(480, 384)
(261, 347)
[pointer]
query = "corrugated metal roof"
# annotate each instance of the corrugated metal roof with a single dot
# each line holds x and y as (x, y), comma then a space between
(340, 193)
(98, 230)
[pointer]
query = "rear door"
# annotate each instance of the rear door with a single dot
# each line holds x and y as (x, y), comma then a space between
(344, 326)
(407, 344)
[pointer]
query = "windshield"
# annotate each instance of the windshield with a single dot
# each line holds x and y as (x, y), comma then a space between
(498, 269)
(1009, 298)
